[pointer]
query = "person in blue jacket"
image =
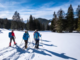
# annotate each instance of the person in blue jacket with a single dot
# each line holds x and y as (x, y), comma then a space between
(36, 37)
(25, 38)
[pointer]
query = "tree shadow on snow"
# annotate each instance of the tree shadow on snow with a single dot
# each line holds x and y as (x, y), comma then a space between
(45, 40)
(71, 32)
(40, 52)
(45, 44)
(41, 44)
(1, 31)
(62, 55)
(48, 44)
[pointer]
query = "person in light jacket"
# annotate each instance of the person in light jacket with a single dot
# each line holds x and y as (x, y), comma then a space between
(36, 37)
(25, 38)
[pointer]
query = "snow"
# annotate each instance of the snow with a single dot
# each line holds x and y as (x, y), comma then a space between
(49, 23)
(53, 46)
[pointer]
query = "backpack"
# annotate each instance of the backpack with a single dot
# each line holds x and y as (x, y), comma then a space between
(10, 34)
(36, 35)
(25, 36)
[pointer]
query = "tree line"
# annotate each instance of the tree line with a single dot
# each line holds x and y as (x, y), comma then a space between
(31, 24)
(66, 22)
(11, 24)
(61, 21)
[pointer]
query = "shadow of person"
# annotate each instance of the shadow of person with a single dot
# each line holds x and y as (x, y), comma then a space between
(20, 50)
(1, 31)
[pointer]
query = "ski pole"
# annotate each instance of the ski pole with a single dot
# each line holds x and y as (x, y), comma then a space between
(21, 41)
(41, 41)
(29, 40)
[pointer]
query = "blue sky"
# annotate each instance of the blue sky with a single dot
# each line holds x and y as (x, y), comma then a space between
(38, 8)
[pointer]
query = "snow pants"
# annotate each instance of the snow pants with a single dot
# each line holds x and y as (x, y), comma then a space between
(26, 42)
(37, 44)
(12, 38)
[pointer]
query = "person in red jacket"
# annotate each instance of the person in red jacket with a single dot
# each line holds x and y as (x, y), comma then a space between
(12, 37)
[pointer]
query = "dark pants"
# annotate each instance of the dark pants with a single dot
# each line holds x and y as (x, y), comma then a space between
(26, 42)
(37, 44)
(12, 39)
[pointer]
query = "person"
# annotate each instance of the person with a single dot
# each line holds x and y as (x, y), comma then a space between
(25, 38)
(36, 37)
(12, 37)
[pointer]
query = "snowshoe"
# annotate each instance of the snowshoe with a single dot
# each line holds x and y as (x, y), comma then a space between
(15, 44)
(9, 45)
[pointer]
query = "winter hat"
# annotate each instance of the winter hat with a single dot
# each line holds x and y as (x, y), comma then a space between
(36, 30)
(26, 31)
(12, 30)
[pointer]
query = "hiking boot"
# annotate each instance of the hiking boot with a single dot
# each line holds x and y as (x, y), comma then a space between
(14, 43)
(37, 47)
(9, 44)
(26, 47)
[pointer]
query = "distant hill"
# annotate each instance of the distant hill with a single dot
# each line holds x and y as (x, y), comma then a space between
(44, 21)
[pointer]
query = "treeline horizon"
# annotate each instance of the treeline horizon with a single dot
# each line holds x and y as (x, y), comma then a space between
(31, 24)
(59, 23)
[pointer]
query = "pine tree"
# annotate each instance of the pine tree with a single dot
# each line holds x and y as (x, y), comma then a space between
(27, 25)
(60, 20)
(16, 16)
(17, 23)
(52, 25)
(78, 14)
(31, 24)
(70, 19)
(78, 29)
(5, 23)
(53, 22)
(78, 11)
(37, 25)
(13, 25)
(42, 27)
(48, 27)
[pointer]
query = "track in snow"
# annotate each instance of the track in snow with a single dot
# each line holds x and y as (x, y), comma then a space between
(16, 53)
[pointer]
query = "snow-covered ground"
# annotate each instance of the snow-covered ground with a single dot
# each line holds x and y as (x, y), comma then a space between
(53, 46)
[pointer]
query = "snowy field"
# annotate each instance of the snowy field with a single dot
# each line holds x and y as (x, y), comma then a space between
(53, 46)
